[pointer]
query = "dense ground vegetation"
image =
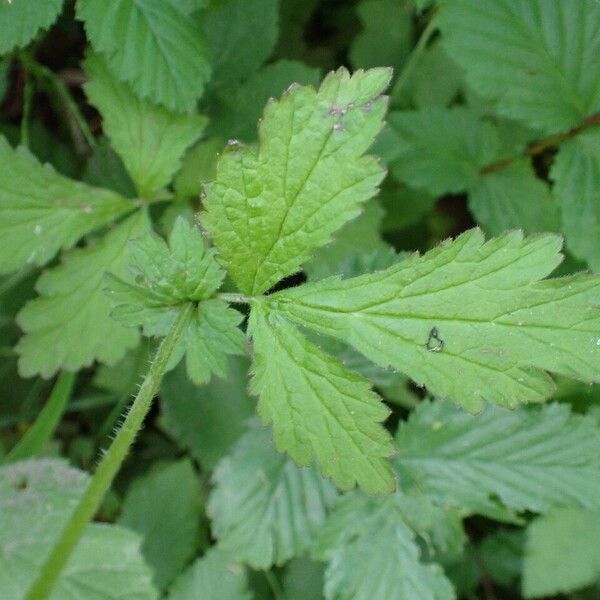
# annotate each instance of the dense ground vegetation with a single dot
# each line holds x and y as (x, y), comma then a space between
(298, 299)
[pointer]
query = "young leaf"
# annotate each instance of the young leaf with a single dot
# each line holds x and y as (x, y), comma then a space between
(576, 175)
(20, 21)
(36, 500)
(150, 139)
(442, 150)
(264, 509)
(231, 28)
(372, 553)
(470, 319)
(218, 409)
(529, 460)
(513, 197)
(215, 576)
(561, 552)
(268, 211)
(169, 277)
(539, 61)
(72, 301)
(152, 45)
(164, 508)
(318, 409)
(42, 211)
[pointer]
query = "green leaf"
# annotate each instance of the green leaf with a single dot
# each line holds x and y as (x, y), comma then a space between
(470, 319)
(20, 21)
(372, 553)
(42, 211)
(442, 150)
(72, 301)
(105, 168)
(241, 36)
(561, 552)
(318, 409)
(151, 45)
(150, 139)
(513, 197)
(386, 34)
(306, 181)
(199, 164)
(215, 576)
(303, 579)
(532, 460)
(166, 278)
(539, 61)
(576, 175)
(164, 508)
(187, 7)
(264, 509)
(502, 555)
(218, 410)
(36, 500)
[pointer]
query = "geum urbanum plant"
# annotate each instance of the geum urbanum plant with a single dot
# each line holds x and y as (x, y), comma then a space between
(474, 321)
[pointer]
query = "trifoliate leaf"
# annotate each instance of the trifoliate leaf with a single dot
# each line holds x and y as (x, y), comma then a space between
(386, 34)
(152, 45)
(470, 319)
(442, 150)
(150, 139)
(513, 197)
(168, 277)
(319, 410)
(36, 500)
(532, 460)
(372, 553)
(42, 211)
(538, 60)
(20, 21)
(561, 553)
(264, 509)
(219, 409)
(231, 28)
(72, 301)
(215, 576)
(163, 506)
(576, 175)
(307, 180)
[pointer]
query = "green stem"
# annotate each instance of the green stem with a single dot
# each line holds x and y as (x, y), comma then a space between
(40, 433)
(110, 463)
(44, 74)
(415, 55)
(275, 586)
(28, 89)
(235, 298)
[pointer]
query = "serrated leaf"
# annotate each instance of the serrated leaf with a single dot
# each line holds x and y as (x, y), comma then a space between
(307, 180)
(36, 500)
(72, 301)
(532, 460)
(513, 197)
(42, 212)
(231, 28)
(264, 509)
(150, 139)
(218, 409)
(168, 277)
(561, 553)
(215, 576)
(386, 34)
(539, 61)
(319, 410)
(576, 175)
(151, 45)
(442, 150)
(372, 553)
(20, 21)
(470, 319)
(163, 506)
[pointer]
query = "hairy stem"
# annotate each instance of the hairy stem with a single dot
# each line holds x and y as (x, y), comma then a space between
(235, 298)
(40, 433)
(78, 124)
(110, 463)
